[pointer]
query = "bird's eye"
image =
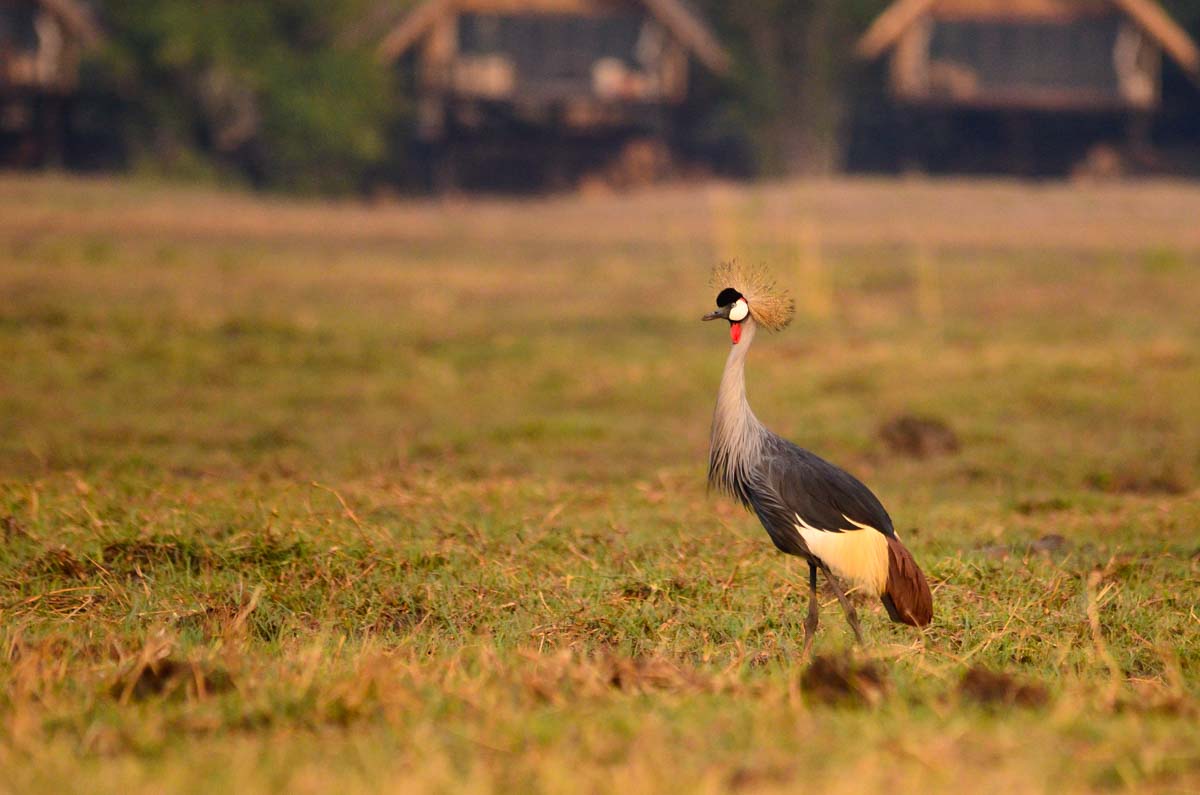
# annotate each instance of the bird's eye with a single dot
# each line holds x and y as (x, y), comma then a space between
(727, 297)
(739, 311)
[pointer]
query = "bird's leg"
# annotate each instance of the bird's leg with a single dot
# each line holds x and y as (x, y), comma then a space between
(851, 613)
(814, 609)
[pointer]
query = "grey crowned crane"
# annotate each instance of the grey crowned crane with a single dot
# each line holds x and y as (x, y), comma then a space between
(809, 507)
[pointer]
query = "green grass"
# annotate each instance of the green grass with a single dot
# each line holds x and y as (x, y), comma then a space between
(323, 497)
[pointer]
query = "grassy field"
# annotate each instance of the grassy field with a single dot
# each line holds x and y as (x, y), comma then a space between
(306, 497)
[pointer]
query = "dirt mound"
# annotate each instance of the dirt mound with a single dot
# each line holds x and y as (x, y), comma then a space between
(918, 436)
(844, 681)
(995, 688)
(1155, 481)
(167, 677)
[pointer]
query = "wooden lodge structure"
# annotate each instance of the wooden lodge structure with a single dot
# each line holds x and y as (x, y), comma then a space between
(41, 44)
(1013, 64)
(545, 90)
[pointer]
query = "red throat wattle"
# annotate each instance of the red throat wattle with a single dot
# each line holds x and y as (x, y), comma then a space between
(735, 332)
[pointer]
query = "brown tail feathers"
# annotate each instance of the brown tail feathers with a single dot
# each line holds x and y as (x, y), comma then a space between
(907, 596)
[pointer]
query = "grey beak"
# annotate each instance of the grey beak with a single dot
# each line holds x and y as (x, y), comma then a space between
(723, 313)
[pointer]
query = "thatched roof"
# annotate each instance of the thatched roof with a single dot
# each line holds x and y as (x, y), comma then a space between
(1148, 15)
(683, 23)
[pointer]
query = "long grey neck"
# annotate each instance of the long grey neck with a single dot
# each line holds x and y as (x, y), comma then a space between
(737, 436)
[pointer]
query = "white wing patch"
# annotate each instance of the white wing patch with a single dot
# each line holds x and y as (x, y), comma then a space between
(859, 556)
(862, 526)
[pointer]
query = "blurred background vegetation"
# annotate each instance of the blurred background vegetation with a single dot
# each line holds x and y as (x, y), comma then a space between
(289, 94)
(273, 92)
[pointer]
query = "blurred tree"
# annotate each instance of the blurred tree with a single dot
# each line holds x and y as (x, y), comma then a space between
(271, 90)
(794, 66)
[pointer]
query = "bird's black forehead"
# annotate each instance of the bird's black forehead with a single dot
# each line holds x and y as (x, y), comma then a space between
(727, 297)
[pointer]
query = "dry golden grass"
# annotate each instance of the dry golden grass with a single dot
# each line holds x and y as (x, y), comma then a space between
(307, 497)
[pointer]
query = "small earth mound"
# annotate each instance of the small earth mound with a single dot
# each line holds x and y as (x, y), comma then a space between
(1050, 544)
(59, 562)
(918, 436)
(842, 680)
(753, 778)
(1035, 506)
(994, 688)
(643, 675)
(167, 677)
(1154, 482)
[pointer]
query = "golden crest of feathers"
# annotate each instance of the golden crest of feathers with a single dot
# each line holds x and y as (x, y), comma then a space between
(770, 306)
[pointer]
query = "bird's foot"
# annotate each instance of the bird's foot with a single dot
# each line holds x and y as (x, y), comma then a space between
(847, 606)
(806, 651)
(858, 635)
(811, 622)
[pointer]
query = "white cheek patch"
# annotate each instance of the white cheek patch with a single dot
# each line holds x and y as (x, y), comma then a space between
(739, 311)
